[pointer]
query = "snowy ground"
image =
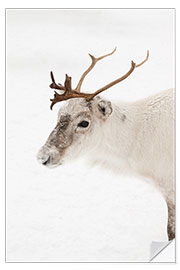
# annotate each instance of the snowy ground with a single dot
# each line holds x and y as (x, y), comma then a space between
(74, 213)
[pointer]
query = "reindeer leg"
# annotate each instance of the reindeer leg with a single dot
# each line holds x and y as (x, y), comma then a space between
(171, 220)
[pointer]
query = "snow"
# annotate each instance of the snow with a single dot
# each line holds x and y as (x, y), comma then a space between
(73, 212)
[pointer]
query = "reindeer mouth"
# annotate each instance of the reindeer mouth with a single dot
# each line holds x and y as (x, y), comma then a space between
(47, 161)
(51, 165)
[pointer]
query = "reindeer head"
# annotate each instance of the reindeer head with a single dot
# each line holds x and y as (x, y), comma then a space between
(80, 120)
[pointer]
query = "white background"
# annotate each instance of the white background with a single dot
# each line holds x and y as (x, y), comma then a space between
(74, 213)
(139, 4)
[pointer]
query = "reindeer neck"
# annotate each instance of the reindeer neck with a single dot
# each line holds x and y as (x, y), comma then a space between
(116, 137)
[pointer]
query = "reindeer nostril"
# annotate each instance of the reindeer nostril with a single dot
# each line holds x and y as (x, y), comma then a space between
(46, 162)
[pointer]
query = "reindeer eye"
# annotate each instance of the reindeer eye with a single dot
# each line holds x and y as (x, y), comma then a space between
(83, 124)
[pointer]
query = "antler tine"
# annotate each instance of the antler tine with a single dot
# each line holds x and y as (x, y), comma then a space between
(54, 85)
(147, 56)
(133, 66)
(94, 61)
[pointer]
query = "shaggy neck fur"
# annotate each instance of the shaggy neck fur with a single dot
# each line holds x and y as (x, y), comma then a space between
(115, 138)
(138, 137)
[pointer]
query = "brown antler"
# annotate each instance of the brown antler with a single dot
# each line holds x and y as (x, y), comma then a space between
(94, 61)
(70, 93)
(54, 84)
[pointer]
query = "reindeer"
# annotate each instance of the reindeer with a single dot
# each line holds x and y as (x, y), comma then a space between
(138, 134)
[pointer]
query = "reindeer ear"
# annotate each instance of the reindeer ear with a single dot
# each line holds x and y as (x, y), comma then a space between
(104, 108)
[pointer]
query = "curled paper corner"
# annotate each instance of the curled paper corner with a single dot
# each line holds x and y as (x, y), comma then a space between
(159, 247)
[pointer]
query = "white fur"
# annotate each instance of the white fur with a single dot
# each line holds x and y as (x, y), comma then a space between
(143, 141)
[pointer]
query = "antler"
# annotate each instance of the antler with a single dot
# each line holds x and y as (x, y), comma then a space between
(94, 61)
(70, 93)
(54, 84)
